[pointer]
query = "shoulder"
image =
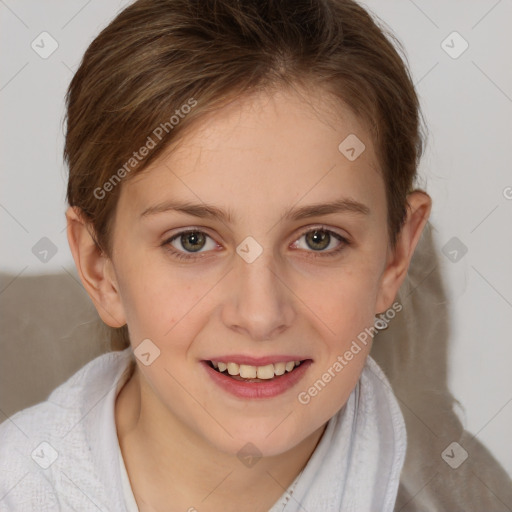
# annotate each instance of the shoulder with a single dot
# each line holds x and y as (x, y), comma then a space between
(43, 445)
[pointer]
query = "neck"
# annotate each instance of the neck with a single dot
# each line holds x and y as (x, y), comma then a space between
(168, 463)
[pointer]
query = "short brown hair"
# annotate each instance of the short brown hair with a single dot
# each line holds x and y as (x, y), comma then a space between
(157, 55)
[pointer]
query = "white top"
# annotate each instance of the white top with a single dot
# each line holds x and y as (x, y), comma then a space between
(63, 454)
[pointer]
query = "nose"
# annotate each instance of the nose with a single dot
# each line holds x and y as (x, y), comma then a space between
(259, 304)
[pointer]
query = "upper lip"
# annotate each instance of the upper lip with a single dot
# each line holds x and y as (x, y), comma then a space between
(256, 361)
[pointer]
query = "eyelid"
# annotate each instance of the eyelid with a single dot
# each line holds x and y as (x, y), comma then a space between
(191, 229)
(323, 227)
(303, 231)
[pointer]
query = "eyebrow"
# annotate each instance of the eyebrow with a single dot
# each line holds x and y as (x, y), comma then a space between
(345, 205)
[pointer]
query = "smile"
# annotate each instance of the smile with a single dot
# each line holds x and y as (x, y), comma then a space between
(256, 382)
(246, 371)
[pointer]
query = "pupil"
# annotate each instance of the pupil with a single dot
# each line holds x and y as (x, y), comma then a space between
(193, 241)
(318, 239)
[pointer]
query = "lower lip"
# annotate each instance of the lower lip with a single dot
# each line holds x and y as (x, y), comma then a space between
(264, 389)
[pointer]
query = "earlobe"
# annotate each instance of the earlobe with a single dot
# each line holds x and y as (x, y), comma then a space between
(95, 269)
(399, 259)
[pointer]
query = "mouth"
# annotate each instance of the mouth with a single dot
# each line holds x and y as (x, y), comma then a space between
(256, 382)
(250, 373)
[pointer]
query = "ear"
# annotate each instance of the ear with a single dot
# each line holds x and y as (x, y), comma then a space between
(95, 269)
(398, 260)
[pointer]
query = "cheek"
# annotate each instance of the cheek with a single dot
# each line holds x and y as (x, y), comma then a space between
(342, 299)
(161, 302)
(343, 312)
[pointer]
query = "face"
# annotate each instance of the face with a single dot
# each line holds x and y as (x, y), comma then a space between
(226, 250)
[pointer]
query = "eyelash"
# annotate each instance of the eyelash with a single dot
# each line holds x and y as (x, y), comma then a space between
(316, 254)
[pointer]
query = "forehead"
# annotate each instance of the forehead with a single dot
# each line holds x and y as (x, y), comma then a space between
(278, 147)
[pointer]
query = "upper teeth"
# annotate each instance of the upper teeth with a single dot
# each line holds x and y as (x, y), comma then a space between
(252, 372)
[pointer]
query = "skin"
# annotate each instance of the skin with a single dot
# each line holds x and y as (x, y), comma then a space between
(256, 158)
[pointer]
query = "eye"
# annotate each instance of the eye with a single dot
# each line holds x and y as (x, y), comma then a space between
(319, 240)
(190, 241)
